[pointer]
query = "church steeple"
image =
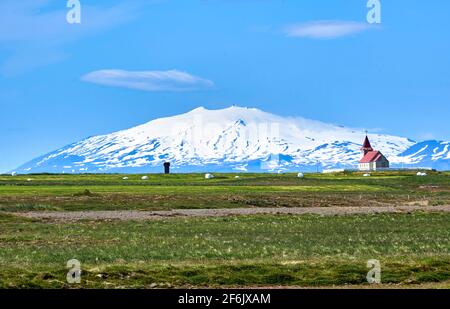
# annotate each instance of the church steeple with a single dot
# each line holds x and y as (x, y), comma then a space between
(366, 145)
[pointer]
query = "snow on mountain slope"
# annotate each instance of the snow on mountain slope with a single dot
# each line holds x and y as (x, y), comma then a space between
(235, 138)
(428, 154)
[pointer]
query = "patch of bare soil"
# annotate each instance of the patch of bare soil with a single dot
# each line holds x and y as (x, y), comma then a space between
(155, 215)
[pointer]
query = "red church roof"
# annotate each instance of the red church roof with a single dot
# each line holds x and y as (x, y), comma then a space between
(366, 146)
(371, 156)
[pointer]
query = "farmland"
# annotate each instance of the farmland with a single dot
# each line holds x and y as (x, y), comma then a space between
(276, 250)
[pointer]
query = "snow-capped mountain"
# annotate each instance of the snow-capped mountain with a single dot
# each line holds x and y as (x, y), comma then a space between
(233, 139)
(429, 153)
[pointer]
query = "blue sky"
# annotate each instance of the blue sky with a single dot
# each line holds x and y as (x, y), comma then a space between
(132, 61)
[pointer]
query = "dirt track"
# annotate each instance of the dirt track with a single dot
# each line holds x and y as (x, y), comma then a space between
(154, 215)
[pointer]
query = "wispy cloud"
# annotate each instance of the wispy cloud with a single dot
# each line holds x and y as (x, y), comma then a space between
(172, 80)
(326, 29)
(34, 31)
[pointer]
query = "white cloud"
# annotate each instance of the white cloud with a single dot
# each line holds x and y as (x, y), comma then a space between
(41, 21)
(172, 80)
(36, 32)
(326, 29)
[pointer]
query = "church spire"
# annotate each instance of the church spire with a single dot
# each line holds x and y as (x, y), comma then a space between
(366, 145)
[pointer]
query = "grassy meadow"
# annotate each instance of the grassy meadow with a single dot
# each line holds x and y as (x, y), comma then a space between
(190, 191)
(233, 251)
(230, 251)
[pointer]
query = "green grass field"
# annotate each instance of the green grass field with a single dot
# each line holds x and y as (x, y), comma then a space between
(231, 251)
(234, 251)
(162, 192)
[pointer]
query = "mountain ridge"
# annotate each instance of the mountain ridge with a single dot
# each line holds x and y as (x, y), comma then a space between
(233, 139)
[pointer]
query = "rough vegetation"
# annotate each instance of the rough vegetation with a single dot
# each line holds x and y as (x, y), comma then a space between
(246, 250)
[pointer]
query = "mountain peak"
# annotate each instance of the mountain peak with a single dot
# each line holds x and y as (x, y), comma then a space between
(198, 109)
(230, 108)
(230, 139)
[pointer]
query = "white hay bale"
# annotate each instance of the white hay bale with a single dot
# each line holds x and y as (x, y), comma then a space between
(144, 177)
(29, 179)
(420, 174)
(209, 176)
(300, 175)
(237, 177)
(125, 178)
(366, 175)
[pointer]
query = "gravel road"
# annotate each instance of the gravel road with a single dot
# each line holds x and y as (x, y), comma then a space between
(154, 215)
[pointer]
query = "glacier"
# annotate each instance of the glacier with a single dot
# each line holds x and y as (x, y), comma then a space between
(234, 139)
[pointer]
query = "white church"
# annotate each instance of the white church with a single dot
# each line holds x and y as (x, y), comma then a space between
(372, 159)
